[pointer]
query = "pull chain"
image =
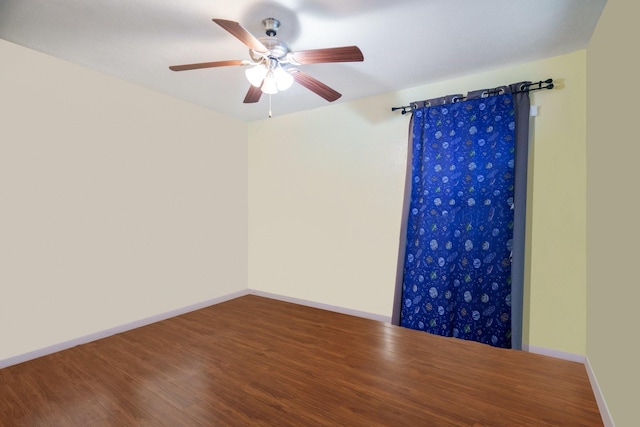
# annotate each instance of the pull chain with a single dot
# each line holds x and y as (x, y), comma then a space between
(270, 106)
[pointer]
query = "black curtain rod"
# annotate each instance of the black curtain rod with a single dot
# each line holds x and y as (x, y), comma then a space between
(529, 87)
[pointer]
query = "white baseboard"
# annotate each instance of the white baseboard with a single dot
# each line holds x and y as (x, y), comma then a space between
(602, 405)
(337, 309)
(173, 313)
(554, 353)
(116, 330)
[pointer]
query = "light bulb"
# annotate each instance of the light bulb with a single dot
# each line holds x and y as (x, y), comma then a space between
(269, 84)
(284, 80)
(256, 74)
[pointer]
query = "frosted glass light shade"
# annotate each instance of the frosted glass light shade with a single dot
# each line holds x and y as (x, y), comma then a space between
(269, 85)
(256, 74)
(284, 80)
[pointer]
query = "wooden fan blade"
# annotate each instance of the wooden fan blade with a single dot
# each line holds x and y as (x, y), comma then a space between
(315, 86)
(209, 65)
(332, 54)
(239, 32)
(253, 95)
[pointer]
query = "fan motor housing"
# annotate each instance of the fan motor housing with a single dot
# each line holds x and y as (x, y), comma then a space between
(277, 48)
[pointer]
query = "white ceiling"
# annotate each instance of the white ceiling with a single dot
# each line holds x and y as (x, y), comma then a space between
(406, 43)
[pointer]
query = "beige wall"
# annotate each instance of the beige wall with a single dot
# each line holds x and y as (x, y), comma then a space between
(325, 197)
(613, 234)
(116, 203)
(325, 194)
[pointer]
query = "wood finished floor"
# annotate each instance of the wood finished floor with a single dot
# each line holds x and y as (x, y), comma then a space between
(255, 361)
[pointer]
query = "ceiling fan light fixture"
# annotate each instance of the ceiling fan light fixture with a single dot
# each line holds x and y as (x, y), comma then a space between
(270, 69)
(256, 74)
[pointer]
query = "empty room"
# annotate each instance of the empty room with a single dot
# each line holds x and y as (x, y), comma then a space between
(318, 213)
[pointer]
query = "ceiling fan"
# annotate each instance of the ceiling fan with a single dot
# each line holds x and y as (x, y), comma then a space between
(273, 65)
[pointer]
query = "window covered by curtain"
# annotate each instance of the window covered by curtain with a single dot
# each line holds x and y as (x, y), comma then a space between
(457, 277)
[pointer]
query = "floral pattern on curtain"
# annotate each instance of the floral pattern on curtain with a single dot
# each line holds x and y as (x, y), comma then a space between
(457, 267)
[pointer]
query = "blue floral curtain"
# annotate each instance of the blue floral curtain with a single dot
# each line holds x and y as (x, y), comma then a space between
(457, 267)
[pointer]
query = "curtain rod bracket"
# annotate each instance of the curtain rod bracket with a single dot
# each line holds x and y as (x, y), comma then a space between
(529, 87)
(405, 109)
